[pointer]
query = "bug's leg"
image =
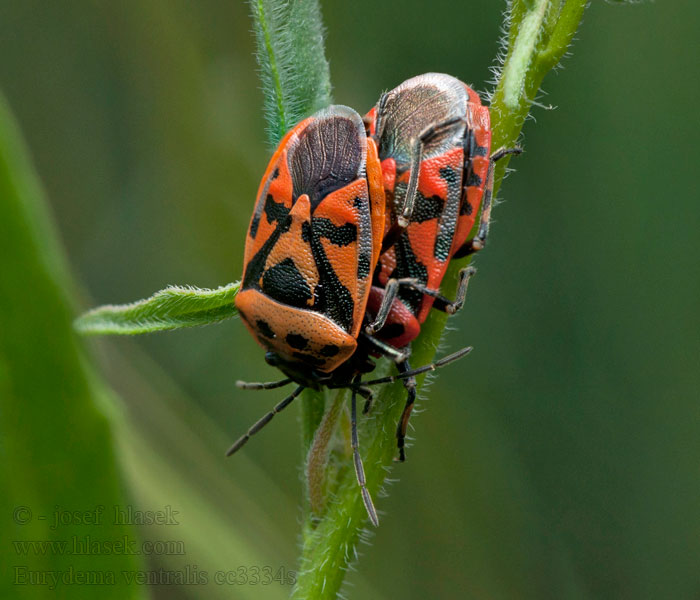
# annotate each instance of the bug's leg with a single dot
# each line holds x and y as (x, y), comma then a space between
(420, 370)
(423, 138)
(479, 241)
(409, 383)
(359, 469)
(263, 421)
(441, 302)
(398, 356)
(406, 373)
(368, 395)
(501, 152)
(391, 290)
(268, 385)
(452, 306)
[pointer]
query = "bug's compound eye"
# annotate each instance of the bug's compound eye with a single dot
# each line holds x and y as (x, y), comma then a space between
(273, 359)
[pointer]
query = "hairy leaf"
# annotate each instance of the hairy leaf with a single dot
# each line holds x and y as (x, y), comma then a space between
(171, 308)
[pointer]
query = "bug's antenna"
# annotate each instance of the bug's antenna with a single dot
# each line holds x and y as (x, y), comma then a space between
(264, 421)
(359, 469)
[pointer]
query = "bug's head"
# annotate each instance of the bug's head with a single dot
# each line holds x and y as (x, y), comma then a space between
(303, 374)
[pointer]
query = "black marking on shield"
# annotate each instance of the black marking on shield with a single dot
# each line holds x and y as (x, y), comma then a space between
(466, 208)
(473, 179)
(297, 341)
(265, 329)
(448, 219)
(275, 211)
(284, 282)
(364, 246)
(254, 224)
(427, 208)
(339, 235)
(407, 265)
(363, 264)
(256, 265)
(331, 297)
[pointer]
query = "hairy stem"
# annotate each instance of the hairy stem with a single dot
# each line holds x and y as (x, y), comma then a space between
(293, 67)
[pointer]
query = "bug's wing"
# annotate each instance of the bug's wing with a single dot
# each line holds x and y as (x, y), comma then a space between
(271, 213)
(415, 105)
(329, 166)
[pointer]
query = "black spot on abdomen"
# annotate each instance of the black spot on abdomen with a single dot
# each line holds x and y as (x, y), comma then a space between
(473, 179)
(308, 358)
(297, 341)
(330, 350)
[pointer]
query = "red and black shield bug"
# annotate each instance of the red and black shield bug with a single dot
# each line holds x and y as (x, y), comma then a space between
(434, 141)
(312, 245)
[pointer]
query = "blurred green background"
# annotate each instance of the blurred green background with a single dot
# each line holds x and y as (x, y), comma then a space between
(571, 469)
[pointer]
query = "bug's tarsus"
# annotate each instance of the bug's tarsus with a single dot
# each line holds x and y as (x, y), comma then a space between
(368, 395)
(501, 152)
(263, 421)
(391, 291)
(409, 382)
(398, 356)
(357, 459)
(451, 307)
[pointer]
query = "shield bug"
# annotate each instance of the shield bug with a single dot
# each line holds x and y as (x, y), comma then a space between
(434, 141)
(313, 241)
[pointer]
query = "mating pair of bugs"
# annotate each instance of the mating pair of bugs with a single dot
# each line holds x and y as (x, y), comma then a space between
(354, 225)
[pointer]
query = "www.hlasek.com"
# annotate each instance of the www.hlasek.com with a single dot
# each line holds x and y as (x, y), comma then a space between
(86, 545)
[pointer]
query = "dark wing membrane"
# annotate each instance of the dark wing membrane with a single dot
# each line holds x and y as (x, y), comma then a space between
(416, 104)
(329, 154)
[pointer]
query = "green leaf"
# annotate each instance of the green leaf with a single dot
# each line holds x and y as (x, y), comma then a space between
(172, 308)
(49, 392)
(293, 67)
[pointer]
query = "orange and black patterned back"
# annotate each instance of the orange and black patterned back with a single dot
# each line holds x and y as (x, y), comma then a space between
(315, 232)
(453, 170)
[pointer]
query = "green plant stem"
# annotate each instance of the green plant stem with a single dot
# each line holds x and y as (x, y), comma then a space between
(539, 34)
(293, 67)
